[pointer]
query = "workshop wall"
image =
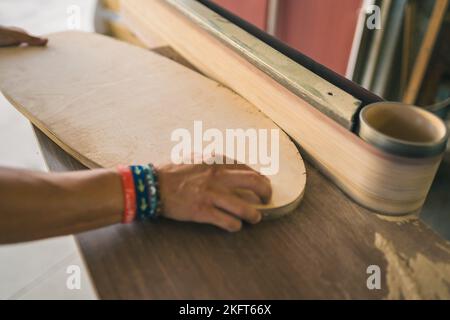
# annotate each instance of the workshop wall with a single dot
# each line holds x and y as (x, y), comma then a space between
(253, 11)
(321, 29)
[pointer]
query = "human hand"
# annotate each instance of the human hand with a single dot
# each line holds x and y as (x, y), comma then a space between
(16, 37)
(207, 194)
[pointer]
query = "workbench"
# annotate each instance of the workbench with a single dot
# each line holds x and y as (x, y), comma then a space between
(322, 250)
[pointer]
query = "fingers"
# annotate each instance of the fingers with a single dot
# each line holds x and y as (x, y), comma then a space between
(29, 39)
(220, 219)
(235, 206)
(251, 180)
(36, 41)
(18, 36)
(222, 195)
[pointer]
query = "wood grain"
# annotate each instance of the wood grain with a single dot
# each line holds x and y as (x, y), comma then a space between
(377, 180)
(121, 104)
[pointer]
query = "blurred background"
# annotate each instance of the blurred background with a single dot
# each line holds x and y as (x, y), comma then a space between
(376, 43)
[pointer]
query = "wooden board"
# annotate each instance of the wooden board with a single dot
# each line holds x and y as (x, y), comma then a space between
(375, 179)
(323, 252)
(109, 103)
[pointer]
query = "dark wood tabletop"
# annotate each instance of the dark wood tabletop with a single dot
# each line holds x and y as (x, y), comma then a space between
(322, 250)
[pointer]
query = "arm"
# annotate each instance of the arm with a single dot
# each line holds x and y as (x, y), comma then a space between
(36, 205)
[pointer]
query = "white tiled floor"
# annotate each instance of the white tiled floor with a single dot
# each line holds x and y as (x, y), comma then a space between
(37, 270)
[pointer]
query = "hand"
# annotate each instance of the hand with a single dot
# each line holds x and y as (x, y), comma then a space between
(16, 37)
(207, 194)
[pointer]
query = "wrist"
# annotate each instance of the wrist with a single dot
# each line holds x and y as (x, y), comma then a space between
(141, 192)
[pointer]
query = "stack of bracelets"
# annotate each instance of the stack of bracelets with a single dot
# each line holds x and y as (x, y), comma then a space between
(141, 191)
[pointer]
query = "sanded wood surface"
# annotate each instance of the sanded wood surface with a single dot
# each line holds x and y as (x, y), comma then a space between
(376, 179)
(119, 104)
(321, 251)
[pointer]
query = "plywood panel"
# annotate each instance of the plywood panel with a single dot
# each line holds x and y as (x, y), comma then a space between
(119, 104)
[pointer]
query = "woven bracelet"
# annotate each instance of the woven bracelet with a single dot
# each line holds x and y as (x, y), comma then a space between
(140, 174)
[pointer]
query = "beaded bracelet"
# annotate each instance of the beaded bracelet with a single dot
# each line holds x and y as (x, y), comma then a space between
(156, 203)
(141, 189)
(140, 177)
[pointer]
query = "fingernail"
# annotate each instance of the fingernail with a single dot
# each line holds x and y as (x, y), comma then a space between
(258, 219)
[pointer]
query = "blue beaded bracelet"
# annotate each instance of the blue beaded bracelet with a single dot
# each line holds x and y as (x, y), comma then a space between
(140, 185)
(156, 206)
(147, 191)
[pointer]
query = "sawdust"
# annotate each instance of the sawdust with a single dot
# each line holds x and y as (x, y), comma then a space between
(413, 278)
(400, 220)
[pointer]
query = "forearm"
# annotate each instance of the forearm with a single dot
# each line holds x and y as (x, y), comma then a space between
(36, 205)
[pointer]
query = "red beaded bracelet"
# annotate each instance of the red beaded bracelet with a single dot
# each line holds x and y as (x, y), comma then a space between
(129, 192)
